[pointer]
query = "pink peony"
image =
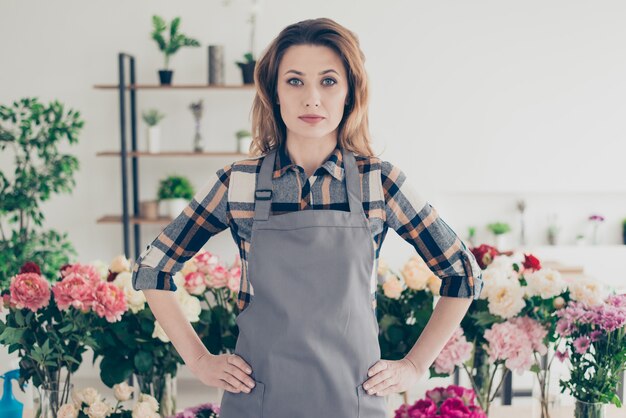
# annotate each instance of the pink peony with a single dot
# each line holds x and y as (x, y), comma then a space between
(456, 352)
(454, 408)
(514, 341)
(74, 290)
(110, 302)
(424, 408)
(87, 270)
(466, 395)
(29, 290)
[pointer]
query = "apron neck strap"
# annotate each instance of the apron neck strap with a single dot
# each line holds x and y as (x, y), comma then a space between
(263, 192)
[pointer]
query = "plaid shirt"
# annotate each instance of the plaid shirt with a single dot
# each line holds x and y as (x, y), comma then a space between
(389, 200)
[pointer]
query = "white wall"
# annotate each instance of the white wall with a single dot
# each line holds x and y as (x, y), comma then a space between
(481, 103)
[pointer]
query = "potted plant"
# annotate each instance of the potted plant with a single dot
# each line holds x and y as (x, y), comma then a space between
(31, 128)
(499, 230)
(244, 139)
(175, 192)
(247, 68)
(152, 117)
(176, 41)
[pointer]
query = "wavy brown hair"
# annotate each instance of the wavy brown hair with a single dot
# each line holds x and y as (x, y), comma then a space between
(268, 128)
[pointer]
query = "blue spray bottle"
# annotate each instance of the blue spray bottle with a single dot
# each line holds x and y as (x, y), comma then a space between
(9, 406)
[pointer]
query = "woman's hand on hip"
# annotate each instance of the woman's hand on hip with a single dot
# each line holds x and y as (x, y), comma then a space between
(391, 376)
(227, 371)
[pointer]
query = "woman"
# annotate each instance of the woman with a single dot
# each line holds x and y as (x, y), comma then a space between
(309, 213)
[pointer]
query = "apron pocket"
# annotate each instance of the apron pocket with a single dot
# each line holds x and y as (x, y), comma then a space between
(242, 404)
(370, 406)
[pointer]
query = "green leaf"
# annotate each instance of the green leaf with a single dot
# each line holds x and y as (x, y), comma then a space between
(143, 361)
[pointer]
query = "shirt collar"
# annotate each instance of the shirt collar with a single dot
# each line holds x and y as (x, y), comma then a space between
(333, 164)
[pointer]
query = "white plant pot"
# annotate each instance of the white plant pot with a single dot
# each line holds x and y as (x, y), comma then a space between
(243, 144)
(154, 139)
(502, 242)
(172, 207)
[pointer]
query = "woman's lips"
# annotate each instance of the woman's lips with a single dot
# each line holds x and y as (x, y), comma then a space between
(311, 119)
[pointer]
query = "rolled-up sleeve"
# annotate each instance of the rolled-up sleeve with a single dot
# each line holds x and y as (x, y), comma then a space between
(204, 216)
(419, 224)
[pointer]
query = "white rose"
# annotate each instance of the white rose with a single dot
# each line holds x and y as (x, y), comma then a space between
(434, 284)
(392, 287)
(416, 273)
(546, 283)
(143, 410)
(69, 410)
(491, 277)
(154, 404)
(190, 305)
(179, 280)
(119, 264)
(99, 409)
(382, 268)
(160, 333)
(88, 395)
(588, 291)
(506, 298)
(122, 391)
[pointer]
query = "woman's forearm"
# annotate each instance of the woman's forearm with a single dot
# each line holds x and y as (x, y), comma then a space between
(168, 313)
(445, 318)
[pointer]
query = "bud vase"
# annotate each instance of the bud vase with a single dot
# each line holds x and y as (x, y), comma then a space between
(50, 398)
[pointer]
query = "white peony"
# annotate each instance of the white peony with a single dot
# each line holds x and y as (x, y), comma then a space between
(122, 391)
(392, 287)
(492, 276)
(135, 299)
(506, 298)
(160, 333)
(119, 264)
(588, 291)
(151, 400)
(416, 273)
(69, 410)
(99, 409)
(546, 283)
(190, 305)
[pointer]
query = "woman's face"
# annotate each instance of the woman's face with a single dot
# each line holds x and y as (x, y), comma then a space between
(311, 80)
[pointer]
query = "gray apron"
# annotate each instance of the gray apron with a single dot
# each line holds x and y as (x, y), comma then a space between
(310, 332)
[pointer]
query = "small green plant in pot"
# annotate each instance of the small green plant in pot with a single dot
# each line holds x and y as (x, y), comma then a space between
(244, 139)
(152, 117)
(247, 68)
(174, 193)
(176, 41)
(500, 231)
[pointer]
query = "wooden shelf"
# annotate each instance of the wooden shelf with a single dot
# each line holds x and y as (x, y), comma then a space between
(116, 219)
(176, 86)
(173, 154)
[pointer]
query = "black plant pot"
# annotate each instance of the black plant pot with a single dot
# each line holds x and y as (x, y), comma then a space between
(166, 77)
(624, 236)
(247, 71)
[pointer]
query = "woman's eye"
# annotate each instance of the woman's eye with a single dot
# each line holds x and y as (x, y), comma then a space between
(293, 79)
(333, 81)
(323, 81)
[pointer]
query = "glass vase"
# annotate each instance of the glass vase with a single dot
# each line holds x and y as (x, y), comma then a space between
(50, 397)
(584, 409)
(160, 387)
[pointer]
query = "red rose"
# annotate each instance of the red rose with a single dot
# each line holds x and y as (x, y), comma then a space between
(531, 262)
(484, 254)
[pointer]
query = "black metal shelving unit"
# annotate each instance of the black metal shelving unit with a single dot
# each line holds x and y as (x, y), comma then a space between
(127, 89)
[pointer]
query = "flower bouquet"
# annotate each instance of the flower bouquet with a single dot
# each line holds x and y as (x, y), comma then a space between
(205, 410)
(451, 402)
(404, 304)
(137, 345)
(596, 348)
(50, 325)
(510, 327)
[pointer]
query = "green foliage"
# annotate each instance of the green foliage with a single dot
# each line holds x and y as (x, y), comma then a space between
(152, 117)
(173, 187)
(499, 228)
(248, 58)
(34, 132)
(176, 40)
(242, 133)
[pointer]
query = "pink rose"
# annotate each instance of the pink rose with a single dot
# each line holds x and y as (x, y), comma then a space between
(454, 408)
(74, 290)
(218, 277)
(109, 302)
(29, 290)
(86, 270)
(194, 283)
(233, 281)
